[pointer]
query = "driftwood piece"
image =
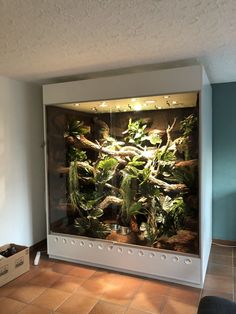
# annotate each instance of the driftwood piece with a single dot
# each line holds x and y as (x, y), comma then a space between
(130, 151)
(126, 151)
(80, 164)
(112, 187)
(108, 201)
(123, 153)
(89, 144)
(187, 163)
(168, 187)
(157, 132)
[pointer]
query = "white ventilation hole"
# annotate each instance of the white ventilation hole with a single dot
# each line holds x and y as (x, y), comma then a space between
(163, 257)
(188, 261)
(141, 253)
(175, 259)
(64, 241)
(81, 243)
(56, 239)
(130, 252)
(72, 242)
(151, 255)
(120, 250)
(100, 247)
(110, 248)
(90, 245)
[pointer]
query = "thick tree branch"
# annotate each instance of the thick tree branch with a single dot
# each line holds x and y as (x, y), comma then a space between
(80, 164)
(108, 201)
(168, 187)
(89, 144)
(187, 163)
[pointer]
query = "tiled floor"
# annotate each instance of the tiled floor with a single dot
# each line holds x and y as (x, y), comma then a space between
(60, 287)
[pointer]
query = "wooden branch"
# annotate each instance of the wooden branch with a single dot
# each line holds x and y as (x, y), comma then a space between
(168, 142)
(132, 148)
(85, 165)
(168, 130)
(80, 164)
(121, 161)
(126, 151)
(187, 163)
(112, 187)
(157, 131)
(61, 169)
(108, 201)
(146, 154)
(89, 144)
(168, 187)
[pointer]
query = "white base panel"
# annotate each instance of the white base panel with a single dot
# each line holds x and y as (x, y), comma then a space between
(142, 261)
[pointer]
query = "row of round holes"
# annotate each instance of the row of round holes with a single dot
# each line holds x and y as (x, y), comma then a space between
(120, 250)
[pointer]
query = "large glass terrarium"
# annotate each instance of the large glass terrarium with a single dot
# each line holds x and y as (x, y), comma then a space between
(125, 186)
(126, 170)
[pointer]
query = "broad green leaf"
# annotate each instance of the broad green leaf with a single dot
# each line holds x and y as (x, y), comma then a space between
(155, 139)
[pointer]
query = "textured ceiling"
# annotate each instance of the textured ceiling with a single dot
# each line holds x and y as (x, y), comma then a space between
(45, 39)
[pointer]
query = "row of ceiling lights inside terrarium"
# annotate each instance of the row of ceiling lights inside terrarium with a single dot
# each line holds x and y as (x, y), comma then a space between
(136, 104)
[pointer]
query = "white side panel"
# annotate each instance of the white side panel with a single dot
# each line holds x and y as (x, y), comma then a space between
(127, 258)
(205, 172)
(46, 168)
(176, 80)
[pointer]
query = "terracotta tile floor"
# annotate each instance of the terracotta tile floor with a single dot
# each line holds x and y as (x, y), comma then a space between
(66, 288)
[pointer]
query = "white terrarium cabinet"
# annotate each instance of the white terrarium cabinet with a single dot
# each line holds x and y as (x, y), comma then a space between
(166, 265)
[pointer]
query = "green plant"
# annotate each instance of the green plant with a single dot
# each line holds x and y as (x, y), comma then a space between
(186, 175)
(76, 128)
(131, 206)
(128, 212)
(73, 185)
(127, 196)
(105, 169)
(173, 214)
(88, 222)
(150, 228)
(136, 132)
(73, 154)
(136, 177)
(164, 217)
(91, 227)
(155, 139)
(187, 126)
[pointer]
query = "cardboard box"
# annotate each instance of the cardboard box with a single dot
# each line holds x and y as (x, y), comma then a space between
(15, 265)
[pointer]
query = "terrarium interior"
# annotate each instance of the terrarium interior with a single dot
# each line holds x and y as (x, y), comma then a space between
(126, 170)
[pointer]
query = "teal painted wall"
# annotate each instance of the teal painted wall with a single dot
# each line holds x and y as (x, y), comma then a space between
(224, 161)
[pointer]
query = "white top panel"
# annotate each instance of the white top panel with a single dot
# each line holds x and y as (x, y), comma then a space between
(159, 82)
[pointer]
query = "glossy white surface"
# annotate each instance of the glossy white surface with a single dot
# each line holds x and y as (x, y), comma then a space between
(127, 258)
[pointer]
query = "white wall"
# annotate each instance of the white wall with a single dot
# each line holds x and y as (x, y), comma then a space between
(22, 214)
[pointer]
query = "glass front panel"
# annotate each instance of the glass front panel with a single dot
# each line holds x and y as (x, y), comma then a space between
(126, 170)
